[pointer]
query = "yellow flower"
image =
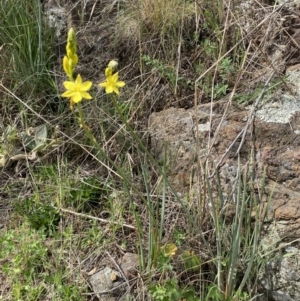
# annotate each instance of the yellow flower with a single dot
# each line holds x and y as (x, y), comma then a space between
(77, 90)
(112, 84)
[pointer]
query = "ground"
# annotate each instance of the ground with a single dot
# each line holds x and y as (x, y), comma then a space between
(71, 207)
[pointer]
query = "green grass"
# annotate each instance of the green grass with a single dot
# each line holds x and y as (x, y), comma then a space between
(97, 189)
(33, 270)
(27, 45)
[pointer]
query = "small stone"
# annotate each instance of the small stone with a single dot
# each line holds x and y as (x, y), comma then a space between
(107, 283)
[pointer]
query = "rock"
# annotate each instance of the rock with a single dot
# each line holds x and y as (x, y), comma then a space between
(281, 276)
(107, 283)
(129, 263)
(56, 17)
(274, 138)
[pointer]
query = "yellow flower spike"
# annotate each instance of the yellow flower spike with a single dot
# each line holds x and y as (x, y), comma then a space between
(71, 46)
(68, 67)
(69, 52)
(71, 36)
(112, 84)
(71, 60)
(77, 90)
(71, 55)
(75, 59)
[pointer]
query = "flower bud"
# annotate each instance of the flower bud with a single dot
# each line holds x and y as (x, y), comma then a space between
(71, 45)
(112, 64)
(71, 36)
(66, 65)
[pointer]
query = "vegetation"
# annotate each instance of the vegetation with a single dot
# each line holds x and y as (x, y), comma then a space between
(78, 176)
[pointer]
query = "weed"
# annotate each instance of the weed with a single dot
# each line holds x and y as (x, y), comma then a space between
(165, 72)
(248, 97)
(26, 262)
(23, 257)
(171, 291)
(41, 217)
(87, 195)
(191, 261)
(218, 87)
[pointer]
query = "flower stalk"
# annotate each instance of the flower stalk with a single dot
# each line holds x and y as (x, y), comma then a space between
(76, 90)
(71, 59)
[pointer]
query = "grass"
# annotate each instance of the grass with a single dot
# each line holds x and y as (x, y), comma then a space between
(27, 48)
(78, 193)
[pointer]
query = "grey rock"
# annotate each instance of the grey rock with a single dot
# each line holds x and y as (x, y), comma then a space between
(107, 284)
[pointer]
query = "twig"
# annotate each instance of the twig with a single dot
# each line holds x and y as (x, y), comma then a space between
(226, 152)
(95, 218)
(251, 114)
(227, 105)
(244, 130)
(119, 268)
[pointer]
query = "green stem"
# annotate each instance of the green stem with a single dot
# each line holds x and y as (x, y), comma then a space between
(103, 154)
(162, 171)
(151, 158)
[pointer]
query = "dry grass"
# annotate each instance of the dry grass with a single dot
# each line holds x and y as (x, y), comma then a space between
(158, 16)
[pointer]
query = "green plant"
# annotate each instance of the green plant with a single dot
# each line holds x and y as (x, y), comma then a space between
(168, 73)
(37, 141)
(248, 97)
(93, 237)
(226, 68)
(163, 70)
(171, 291)
(155, 231)
(243, 239)
(221, 51)
(63, 291)
(179, 236)
(214, 293)
(43, 217)
(87, 194)
(218, 87)
(32, 269)
(7, 143)
(23, 256)
(191, 261)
